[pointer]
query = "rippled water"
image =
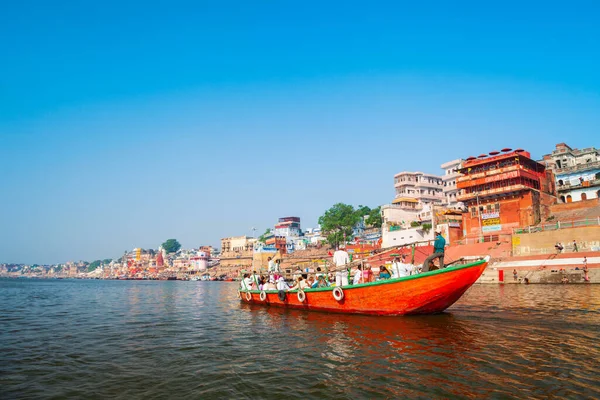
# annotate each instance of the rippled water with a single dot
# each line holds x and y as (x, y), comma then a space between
(145, 340)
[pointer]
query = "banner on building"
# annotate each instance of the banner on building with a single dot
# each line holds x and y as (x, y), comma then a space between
(491, 221)
(490, 215)
(491, 228)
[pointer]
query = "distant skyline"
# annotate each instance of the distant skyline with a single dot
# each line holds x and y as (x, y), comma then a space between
(125, 124)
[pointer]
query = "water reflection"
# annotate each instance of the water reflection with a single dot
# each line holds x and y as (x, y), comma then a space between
(195, 340)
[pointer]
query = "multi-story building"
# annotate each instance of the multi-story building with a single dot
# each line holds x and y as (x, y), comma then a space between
(424, 188)
(237, 251)
(577, 172)
(408, 218)
(288, 226)
(450, 189)
(503, 190)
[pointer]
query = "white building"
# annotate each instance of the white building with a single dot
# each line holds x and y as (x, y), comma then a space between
(425, 188)
(449, 182)
(577, 172)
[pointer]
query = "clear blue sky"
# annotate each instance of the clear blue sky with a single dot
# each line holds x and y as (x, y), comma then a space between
(123, 124)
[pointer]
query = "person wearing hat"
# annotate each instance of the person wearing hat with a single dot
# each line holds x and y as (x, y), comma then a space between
(438, 247)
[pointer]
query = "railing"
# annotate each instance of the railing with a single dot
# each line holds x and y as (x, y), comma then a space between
(584, 184)
(553, 226)
(467, 196)
(579, 167)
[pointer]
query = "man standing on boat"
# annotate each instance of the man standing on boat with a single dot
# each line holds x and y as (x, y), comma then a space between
(439, 247)
(340, 259)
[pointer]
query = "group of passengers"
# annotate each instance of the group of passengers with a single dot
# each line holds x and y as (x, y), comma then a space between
(360, 274)
(277, 282)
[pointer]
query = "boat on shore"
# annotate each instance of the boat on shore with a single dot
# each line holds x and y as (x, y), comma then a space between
(426, 293)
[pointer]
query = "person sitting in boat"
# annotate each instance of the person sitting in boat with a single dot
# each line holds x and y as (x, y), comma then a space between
(282, 284)
(269, 286)
(358, 276)
(405, 268)
(246, 282)
(367, 274)
(320, 282)
(300, 284)
(310, 281)
(384, 273)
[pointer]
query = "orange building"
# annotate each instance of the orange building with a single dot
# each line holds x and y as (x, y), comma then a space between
(279, 242)
(502, 191)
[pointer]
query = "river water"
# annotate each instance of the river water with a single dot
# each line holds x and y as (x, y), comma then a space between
(191, 340)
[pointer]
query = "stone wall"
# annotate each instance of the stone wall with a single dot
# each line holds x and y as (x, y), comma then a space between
(587, 237)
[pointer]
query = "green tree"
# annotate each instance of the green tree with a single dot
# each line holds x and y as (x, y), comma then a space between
(337, 223)
(93, 265)
(262, 238)
(106, 261)
(374, 218)
(171, 246)
(362, 211)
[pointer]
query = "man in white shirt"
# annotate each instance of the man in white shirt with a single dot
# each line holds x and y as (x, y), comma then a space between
(395, 269)
(246, 282)
(340, 259)
(405, 269)
(271, 264)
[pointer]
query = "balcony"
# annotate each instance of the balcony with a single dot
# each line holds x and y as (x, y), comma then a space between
(490, 172)
(490, 192)
(577, 168)
(585, 184)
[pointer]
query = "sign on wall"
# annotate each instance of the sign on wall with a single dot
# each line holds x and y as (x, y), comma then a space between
(490, 221)
(491, 228)
(490, 215)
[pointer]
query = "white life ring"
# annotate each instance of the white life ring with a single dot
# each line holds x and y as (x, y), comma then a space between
(301, 296)
(239, 294)
(338, 293)
(248, 295)
(263, 295)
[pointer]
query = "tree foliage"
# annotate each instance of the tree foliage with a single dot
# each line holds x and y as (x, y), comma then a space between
(93, 265)
(262, 238)
(171, 246)
(337, 223)
(374, 218)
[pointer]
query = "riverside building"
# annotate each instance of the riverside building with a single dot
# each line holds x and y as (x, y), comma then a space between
(501, 191)
(450, 189)
(577, 172)
(408, 218)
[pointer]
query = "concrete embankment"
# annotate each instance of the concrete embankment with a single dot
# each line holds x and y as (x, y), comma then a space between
(554, 268)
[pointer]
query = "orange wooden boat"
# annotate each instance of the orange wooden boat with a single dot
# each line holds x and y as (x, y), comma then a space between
(426, 293)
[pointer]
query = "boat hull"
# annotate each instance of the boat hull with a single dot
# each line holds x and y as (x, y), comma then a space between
(427, 293)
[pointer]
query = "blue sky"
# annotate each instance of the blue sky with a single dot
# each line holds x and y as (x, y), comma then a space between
(123, 124)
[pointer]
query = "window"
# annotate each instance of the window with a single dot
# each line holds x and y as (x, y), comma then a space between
(583, 196)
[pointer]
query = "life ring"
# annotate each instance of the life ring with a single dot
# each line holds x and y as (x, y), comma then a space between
(301, 296)
(239, 294)
(263, 295)
(281, 295)
(338, 293)
(248, 296)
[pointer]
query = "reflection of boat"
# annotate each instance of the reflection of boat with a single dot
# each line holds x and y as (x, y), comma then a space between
(426, 293)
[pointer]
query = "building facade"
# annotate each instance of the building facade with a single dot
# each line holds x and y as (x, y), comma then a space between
(236, 252)
(502, 191)
(449, 178)
(577, 172)
(424, 188)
